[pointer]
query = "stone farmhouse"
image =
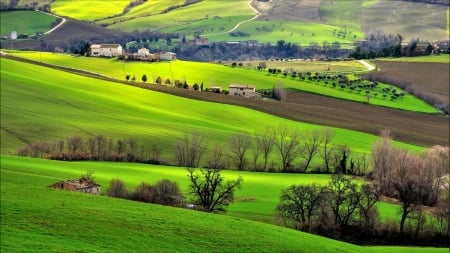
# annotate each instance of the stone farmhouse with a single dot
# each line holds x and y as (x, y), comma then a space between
(244, 90)
(78, 185)
(106, 50)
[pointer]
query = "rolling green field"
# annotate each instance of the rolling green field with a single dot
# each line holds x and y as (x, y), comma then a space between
(88, 10)
(52, 106)
(25, 22)
(189, 14)
(39, 219)
(301, 33)
(148, 8)
(218, 75)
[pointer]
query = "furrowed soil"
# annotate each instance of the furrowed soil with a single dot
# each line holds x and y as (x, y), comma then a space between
(430, 77)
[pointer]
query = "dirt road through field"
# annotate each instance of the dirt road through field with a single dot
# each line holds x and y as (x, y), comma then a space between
(57, 26)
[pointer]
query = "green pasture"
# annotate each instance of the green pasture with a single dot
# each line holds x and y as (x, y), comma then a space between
(41, 219)
(25, 22)
(40, 107)
(88, 10)
(187, 15)
(427, 22)
(148, 8)
(442, 58)
(343, 13)
(219, 75)
(301, 33)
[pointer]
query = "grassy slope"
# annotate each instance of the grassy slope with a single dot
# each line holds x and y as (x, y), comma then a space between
(188, 14)
(302, 33)
(51, 106)
(411, 20)
(88, 10)
(41, 219)
(25, 22)
(216, 75)
(148, 8)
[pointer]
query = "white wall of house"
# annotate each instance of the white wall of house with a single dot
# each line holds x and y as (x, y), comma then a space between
(107, 50)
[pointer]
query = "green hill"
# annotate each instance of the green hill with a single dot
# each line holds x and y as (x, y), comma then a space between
(36, 219)
(212, 74)
(25, 22)
(42, 104)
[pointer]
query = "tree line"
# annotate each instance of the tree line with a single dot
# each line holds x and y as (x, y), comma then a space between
(273, 148)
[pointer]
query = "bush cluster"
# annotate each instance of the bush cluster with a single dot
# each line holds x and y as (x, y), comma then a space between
(164, 192)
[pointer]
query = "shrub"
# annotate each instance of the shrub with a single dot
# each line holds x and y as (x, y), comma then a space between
(117, 189)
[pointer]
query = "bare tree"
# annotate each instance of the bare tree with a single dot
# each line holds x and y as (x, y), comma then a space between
(210, 190)
(266, 140)
(309, 148)
(189, 151)
(405, 183)
(156, 153)
(287, 143)
(326, 153)
(217, 159)
(256, 152)
(382, 159)
(74, 144)
(239, 145)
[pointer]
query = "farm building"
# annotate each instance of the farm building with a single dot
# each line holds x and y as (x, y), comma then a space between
(167, 56)
(78, 185)
(145, 55)
(244, 90)
(107, 50)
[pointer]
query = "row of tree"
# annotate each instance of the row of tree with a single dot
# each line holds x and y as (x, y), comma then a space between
(279, 148)
(292, 150)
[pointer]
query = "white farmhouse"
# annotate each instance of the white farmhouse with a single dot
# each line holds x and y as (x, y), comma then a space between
(244, 90)
(143, 52)
(107, 50)
(167, 56)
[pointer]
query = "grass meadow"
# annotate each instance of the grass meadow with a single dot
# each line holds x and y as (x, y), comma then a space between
(189, 14)
(301, 33)
(41, 219)
(148, 8)
(25, 22)
(212, 74)
(88, 10)
(40, 107)
(422, 21)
